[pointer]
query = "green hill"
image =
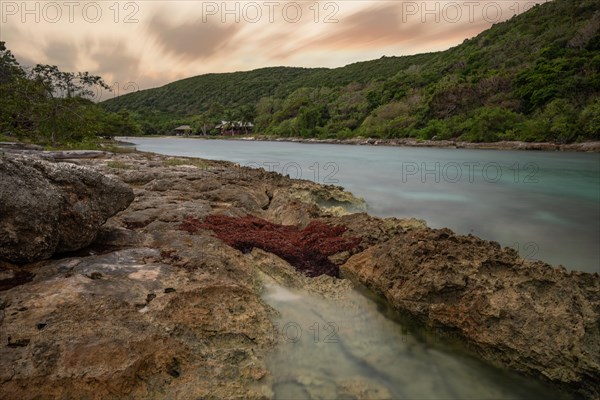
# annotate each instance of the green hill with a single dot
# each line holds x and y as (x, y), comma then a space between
(534, 77)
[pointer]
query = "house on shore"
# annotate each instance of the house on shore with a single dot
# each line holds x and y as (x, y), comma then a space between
(234, 127)
(183, 130)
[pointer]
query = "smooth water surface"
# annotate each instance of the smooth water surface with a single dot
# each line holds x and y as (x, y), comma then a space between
(349, 349)
(544, 204)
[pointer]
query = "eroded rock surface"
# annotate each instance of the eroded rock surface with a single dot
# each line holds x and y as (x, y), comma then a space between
(149, 311)
(129, 325)
(53, 207)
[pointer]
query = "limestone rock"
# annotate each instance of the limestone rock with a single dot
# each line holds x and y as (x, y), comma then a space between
(130, 325)
(53, 207)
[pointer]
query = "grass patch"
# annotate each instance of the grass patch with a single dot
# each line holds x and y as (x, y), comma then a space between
(5, 138)
(102, 145)
(86, 145)
(174, 162)
(118, 165)
(118, 149)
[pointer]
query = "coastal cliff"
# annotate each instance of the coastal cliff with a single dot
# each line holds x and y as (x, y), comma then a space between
(165, 304)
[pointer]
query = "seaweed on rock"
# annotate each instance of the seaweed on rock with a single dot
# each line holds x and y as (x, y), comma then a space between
(306, 249)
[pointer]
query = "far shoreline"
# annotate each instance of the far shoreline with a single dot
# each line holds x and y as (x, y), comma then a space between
(583, 147)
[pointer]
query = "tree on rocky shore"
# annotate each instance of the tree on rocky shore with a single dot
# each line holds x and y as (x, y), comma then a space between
(15, 98)
(46, 105)
(65, 97)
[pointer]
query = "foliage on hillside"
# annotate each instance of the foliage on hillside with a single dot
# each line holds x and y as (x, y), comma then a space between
(45, 105)
(535, 78)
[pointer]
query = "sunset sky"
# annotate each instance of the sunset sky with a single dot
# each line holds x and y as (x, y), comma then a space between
(143, 44)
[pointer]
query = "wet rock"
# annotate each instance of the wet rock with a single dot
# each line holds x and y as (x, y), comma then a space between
(12, 278)
(280, 271)
(7, 146)
(375, 230)
(361, 389)
(95, 275)
(53, 207)
(116, 237)
(527, 316)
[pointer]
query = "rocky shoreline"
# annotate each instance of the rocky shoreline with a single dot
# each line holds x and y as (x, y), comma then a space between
(589, 147)
(153, 310)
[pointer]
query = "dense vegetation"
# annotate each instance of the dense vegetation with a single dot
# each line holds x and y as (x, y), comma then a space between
(44, 105)
(534, 78)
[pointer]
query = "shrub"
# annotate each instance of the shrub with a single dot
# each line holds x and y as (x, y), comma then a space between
(589, 120)
(489, 124)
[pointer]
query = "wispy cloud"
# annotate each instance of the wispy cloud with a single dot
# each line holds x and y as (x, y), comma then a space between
(195, 40)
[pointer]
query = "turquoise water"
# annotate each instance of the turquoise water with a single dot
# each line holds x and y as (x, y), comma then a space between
(544, 204)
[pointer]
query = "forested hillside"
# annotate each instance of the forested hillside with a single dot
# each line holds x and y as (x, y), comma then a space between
(535, 78)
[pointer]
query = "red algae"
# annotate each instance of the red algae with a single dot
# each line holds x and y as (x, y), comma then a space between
(306, 249)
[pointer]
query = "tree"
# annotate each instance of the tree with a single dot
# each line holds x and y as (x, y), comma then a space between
(590, 120)
(9, 67)
(16, 96)
(247, 114)
(489, 124)
(44, 104)
(65, 92)
(115, 124)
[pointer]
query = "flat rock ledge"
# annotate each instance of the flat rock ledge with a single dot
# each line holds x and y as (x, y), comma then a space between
(151, 311)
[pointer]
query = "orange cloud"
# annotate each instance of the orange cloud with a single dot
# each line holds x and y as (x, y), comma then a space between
(191, 40)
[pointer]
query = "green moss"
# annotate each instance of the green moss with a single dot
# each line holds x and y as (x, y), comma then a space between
(174, 162)
(119, 149)
(118, 165)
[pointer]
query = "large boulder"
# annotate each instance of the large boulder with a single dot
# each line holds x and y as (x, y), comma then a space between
(47, 207)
